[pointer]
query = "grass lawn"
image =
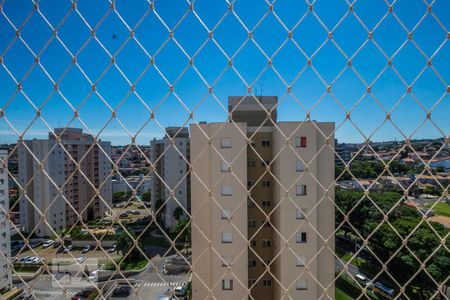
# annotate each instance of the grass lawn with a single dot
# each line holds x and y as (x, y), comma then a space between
(23, 268)
(128, 265)
(441, 209)
(340, 295)
(346, 256)
(346, 288)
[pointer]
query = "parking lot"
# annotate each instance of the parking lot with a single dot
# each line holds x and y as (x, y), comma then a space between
(50, 253)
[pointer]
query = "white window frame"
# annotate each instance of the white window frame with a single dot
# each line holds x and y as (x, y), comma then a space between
(302, 285)
(224, 167)
(226, 142)
(299, 237)
(227, 214)
(300, 213)
(227, 238)
(227, 190)
(300, 190)
(299, 166)
(301, 261)
(227, 261)
(227, 284)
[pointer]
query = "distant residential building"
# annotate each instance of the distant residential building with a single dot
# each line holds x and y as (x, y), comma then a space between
(140, 183)
(398, 182)
(438, 180)
(61, 179)
(170, 181)
(344, 153)
(5, 239)
(442, 162)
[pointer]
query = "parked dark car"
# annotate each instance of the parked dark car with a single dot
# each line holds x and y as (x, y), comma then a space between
(84, 294)
(121, 292)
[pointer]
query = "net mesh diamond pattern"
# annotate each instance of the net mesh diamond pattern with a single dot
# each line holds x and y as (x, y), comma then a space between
(377, 69)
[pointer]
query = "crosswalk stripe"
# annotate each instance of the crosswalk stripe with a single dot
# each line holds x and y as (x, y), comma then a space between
(159, 284)
(53, 292)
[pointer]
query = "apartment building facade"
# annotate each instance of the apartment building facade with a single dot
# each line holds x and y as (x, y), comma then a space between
(262, 205)
(5, 238)
(59, 179)
(170, 177)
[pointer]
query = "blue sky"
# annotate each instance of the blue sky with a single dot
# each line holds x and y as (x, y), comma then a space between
(151, 90)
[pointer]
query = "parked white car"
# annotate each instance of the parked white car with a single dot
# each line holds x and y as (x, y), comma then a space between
(48, 243)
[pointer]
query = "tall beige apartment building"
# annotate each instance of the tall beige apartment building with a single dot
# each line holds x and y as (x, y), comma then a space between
(262, 206)
(62, 182)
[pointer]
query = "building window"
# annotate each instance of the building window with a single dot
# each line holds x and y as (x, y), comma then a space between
(300, 142)
(227, 261)
(227, 284)
(301, 261)
(227, 190)
(300, 237)
(251, 223)
(300, 213)
(300, 190)
(265, 163)
(266, 183)
(252, 263)
(299, 166)
(266, 203)
(266, 243)
(226, 214)
(225, 142)
(2, 192)
(224, 167)
(302, 285)
(253, 243)
(251, 163)
(250, 203)
(267, 282)
(2, 181)
(265, 143)
(250, 183)
(252, 282)
(227, 237)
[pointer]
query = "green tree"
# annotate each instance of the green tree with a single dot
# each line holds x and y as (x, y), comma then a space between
(385, 240)
(118, 197)
(177, 213)
(146, 197)
(125, 246)
(160, 208)
(183, 230)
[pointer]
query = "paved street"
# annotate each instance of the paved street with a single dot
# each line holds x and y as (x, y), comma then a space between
(148, 284)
